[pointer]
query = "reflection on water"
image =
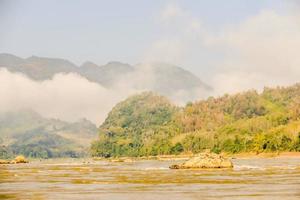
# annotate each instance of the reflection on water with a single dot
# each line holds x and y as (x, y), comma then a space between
(277, 178)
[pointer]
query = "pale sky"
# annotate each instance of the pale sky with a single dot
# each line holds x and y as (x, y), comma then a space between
(232, 45)
(126, 31)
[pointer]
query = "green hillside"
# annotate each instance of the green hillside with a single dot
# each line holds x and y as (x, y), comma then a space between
(29, 134)
(41, 144)
(148, 124)
(141, 125)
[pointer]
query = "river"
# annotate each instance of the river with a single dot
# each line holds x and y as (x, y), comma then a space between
(261, 178)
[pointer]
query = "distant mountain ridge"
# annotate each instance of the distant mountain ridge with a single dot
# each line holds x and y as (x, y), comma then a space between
(28, 133)
(165, 79)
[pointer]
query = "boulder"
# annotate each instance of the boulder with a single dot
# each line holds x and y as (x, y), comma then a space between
(17, 160)
(20, 159)
(205, 160)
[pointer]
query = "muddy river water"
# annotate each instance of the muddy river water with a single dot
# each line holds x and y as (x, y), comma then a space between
(263, 178)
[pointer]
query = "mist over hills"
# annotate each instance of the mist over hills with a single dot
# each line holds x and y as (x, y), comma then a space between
(163, 78)
(145, 124)
(39, 95)
(28, 133)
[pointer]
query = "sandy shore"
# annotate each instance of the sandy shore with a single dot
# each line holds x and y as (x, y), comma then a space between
(239, 155)
(248, 155)
(266, 155)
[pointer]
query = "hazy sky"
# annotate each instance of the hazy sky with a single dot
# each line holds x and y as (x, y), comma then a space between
(127, 31)
(232, 45)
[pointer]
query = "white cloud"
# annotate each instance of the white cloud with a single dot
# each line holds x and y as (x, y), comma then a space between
(66, 96)
(262, 50)
(71, 97)
(181, 35)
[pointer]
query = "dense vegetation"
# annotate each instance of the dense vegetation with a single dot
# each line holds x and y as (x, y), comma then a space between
(141, 125)
(40, 144)
(29, 134)
(148, 124)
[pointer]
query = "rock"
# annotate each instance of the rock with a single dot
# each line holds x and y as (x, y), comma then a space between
(205, 160)
(3, 162)
(17, 160)
(20, 159)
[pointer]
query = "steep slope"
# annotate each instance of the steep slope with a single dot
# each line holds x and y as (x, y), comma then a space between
(244, 122)
(137, 126)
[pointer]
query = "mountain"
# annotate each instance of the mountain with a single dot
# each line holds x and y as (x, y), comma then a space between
(10, 61)
(137, 126)
(107, 75)
(28, 133)
(148, 124)
(41, 144)
(169, 79)
(37, 68)
(165, 79)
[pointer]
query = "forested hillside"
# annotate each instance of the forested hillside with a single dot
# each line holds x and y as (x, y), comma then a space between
(30, 134)
(141, 125)
(148, 124)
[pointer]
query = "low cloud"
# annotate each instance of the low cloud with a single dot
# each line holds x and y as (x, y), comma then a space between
(70, 96)
(180, 39)
(66, 96)
(262, 50)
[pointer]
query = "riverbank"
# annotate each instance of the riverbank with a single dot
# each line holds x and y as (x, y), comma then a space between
(181, 157)
(248, 155)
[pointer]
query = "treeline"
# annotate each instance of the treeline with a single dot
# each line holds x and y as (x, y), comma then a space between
(27, 133)
(40, 144)
(148, 124)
